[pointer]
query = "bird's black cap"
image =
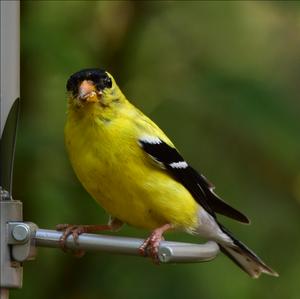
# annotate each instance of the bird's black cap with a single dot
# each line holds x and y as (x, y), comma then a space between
(98, 76)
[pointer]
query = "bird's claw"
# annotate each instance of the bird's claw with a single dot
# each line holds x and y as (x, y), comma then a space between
(75, 231)
(151, 246)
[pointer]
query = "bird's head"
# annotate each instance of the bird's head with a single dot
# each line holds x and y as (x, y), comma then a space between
(92, 87)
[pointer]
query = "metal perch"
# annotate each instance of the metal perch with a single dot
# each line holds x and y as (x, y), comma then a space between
(25, 237)
(169, 252)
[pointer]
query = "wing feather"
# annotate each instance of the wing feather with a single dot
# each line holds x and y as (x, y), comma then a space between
(197, 184)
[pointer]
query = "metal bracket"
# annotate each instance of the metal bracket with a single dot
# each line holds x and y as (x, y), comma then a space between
(11, 272)
(21, 238)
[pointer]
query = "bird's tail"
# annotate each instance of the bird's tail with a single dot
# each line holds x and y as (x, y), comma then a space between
(245, 258)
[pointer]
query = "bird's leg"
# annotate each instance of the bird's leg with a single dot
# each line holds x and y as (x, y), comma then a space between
(114, 224)
(151, 244)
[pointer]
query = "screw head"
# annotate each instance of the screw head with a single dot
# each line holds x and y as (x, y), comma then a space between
(21, 232)
(4, 195)
(165, 253)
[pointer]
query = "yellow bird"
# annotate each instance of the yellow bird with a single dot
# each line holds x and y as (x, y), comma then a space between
(132, 169)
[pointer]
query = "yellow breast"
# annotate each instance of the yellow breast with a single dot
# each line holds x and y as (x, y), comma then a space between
(109, 163)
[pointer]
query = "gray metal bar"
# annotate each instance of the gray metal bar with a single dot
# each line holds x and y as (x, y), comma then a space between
(10, 210)
(169, 252)
(10, 58)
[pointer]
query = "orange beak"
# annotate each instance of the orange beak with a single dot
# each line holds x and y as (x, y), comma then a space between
(88, 92)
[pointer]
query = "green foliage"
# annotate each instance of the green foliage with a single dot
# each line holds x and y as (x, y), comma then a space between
(222, 79)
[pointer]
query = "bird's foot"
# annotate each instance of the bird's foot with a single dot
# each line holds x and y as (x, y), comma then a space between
(76, 231)
(151, 245)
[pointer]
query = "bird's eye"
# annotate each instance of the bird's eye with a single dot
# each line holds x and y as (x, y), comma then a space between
(104, 83)
(107, 82)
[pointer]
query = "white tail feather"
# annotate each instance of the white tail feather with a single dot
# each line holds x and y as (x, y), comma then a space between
(238, 252)
(247, 260)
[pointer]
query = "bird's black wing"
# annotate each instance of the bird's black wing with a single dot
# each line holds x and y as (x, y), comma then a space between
(200, 188)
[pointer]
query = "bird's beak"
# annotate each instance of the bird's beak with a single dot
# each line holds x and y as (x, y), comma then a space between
(87, 92)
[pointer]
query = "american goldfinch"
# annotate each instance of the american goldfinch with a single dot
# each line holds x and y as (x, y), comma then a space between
(133, 170)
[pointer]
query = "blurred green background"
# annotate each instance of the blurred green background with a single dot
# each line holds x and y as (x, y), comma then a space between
(222, 79)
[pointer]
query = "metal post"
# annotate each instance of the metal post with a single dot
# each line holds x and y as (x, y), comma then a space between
(10, 57)
(10, 210)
